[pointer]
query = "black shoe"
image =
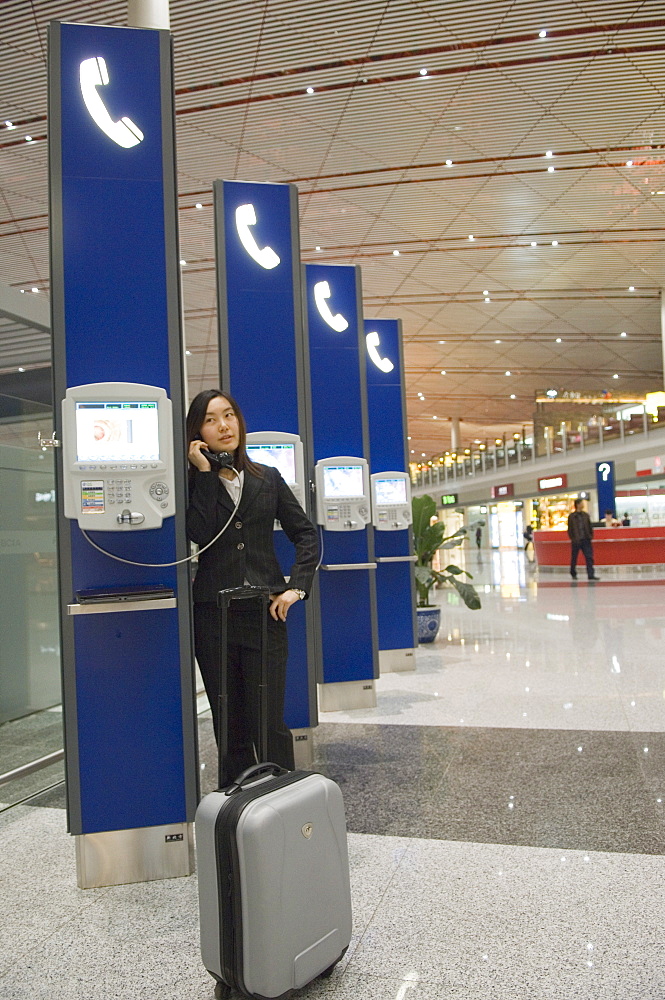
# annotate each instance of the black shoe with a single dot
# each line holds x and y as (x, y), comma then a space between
(573, 576)
(594, 579)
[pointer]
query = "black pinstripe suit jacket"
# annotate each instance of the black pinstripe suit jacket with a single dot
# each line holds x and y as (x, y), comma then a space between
(246, 552)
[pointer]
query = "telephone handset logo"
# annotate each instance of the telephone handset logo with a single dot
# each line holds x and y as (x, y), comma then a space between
(265, 256)
(384, 364)
(321, 293)
(93, 74)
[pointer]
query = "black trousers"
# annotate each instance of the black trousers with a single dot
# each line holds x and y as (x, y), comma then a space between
(244, 662)
(584, 546)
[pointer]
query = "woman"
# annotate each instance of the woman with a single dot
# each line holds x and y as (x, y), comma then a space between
(243, 554)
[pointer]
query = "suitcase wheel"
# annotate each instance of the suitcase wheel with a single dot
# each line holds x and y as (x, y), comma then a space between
(327, 973)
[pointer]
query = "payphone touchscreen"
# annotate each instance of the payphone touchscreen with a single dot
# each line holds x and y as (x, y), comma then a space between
(390, 491)
(279, 456)
(342, 481)
(117, 431)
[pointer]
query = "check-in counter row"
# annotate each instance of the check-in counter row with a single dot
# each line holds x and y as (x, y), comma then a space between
(611, 547)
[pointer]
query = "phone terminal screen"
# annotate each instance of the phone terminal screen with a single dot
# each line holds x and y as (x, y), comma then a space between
(117, 431)
(342, 481)
(390, 491)
(278, 456)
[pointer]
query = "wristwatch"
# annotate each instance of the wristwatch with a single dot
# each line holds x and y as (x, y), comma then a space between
(301, 593)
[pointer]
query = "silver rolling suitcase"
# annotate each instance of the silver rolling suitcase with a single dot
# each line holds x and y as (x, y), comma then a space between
(272, 860)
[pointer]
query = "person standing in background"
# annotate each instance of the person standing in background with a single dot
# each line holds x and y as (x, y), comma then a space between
(580, 532)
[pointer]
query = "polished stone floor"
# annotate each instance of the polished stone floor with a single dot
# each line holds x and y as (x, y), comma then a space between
(505, 808)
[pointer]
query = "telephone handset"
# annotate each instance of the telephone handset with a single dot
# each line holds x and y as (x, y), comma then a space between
(383, 364)
(265, 256)
(336, 321)
(93, 74)
(219, 459)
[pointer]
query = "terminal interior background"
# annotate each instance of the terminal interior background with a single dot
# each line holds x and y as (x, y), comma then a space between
(497, 171)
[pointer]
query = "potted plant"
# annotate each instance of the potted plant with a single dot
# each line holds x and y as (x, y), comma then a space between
(428, 539)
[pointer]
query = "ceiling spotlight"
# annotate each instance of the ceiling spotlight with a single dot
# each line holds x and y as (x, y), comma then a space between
(183, 263)
(435, 418)
(10, 125)
(471, 237)
(310, 90)
(533, 243)
(555, 243)
(29, 138)
(615, 376)
(443, 373)
(449, 163)
(35, 290)
(318, 248)
(442, 341)
(395, 253)
(486, 292)
(423, 72)
(513, 396)
(412, 452)
(422, 453)
(487, 299)
(558, 340)
(408, 437)
(629, 163)
(508, 373)
(549, 154)
(542, 34)
(21, 369)
(198, 205)
(631, 288)
(623, 334)
(497, 341)
(550, 170)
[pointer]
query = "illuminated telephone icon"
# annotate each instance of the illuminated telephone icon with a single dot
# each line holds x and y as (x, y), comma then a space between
(321, 293)
(384, 364)
(93, 74)
(265, 256)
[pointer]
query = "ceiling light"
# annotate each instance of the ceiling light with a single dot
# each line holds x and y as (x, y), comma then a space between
(449, 163)
(435, 418)
(486, 292)
(412, 452)
(471, 237)
(497, 341)
(198, 205)
(408, 437)
(29, 138)
(498, 441)
(533, 243)
(317, 248)
(10, 125)
(549, 154)
(631, 288)
(508, 373)
(35, 290)
(513, 396)
(423, 72)
(629, 163)
(558, 340)
(21, 369)
(542, 34)
(443, 373)
(395, 253)
(422, 453)
(555, 243)
(442, 341)
(488, 300)
(615, 376)
(550, 170)
(310, 90)
(188, 353)
(183, 263)
(623, 334)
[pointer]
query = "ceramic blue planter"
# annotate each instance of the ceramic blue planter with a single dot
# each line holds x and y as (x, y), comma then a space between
(429, 621)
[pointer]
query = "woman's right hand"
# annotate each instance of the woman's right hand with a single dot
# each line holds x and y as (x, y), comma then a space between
(198, 460)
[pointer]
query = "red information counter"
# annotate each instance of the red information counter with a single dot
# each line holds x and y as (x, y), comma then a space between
(611, 547)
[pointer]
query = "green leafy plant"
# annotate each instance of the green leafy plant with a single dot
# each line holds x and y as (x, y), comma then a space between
(428, 539)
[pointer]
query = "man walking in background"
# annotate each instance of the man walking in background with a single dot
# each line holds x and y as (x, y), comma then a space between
(580, 533)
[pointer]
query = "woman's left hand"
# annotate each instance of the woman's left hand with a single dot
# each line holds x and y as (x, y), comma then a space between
(281, 603)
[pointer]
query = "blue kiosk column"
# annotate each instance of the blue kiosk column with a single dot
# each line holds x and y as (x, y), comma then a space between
(264, 364)
(395, 578)
(349, 632)
(127, 667)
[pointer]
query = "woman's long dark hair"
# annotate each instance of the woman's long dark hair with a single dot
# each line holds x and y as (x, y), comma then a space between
(195, 417)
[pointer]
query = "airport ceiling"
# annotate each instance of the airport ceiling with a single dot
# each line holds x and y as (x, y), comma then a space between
(422, 154)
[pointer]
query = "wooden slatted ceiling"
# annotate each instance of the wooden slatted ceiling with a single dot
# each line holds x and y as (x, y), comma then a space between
(370, 159)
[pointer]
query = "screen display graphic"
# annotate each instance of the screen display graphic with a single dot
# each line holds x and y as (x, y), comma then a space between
(278, 456)
(342, 481)
(390, 491)
(117, 432)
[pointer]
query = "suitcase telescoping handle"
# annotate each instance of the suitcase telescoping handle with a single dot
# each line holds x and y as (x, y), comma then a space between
(224, 598)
